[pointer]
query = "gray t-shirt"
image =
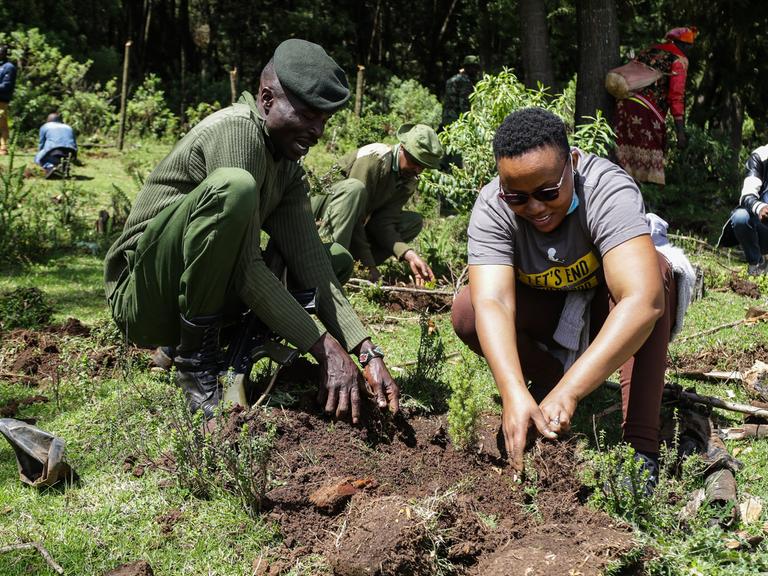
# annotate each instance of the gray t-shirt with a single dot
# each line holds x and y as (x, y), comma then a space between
(610, 212)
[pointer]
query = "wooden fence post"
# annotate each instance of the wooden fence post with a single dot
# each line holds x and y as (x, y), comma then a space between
(233, 83)
(124, 96)
(359, 90)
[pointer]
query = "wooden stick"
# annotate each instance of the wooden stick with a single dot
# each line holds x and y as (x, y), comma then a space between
(361, 283)
(713, 401)
(124, 95)
(40, 548)
(751, 320)
(414, 362)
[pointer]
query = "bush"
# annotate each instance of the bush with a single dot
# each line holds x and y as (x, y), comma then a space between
(472, 136)
(91, 113)
(463, 408)
(47, 79)
(423, 384)
(411, 102)
(24, 308)
(147, 113)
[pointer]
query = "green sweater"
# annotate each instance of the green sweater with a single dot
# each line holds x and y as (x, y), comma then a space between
(376, 166)
(236, 137)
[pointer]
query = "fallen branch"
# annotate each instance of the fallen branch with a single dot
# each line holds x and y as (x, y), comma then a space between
(671, 393)
(40, 548)
(714, 329)
(359, 283)
(713, 376)
(414, 362)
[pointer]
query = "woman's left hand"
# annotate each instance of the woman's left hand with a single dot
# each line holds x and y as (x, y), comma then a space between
(558, 408)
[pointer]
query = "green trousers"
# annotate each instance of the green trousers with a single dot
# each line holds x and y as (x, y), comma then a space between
(344, 206)
(186, 260)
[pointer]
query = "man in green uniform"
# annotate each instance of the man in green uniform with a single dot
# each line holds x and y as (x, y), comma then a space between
(190, 251)
(458, 88)
(364, 212)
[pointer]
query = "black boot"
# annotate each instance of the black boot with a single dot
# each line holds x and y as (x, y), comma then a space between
(197, 363)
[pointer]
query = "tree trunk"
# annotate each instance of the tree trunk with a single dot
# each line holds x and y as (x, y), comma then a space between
(598, 33)
(537, 63)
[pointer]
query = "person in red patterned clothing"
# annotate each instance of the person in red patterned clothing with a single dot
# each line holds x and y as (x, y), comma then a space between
(641, 135)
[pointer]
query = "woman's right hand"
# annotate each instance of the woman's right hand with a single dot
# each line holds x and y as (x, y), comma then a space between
(519, 412)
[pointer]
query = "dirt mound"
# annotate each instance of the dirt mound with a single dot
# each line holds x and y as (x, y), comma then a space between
(415, 501)
(720, 357)
(31, 356)
(417, 301)
(10, 409)
(559, 549)
(743, 287)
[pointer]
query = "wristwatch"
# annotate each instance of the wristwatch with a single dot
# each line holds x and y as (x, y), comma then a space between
(366, 357)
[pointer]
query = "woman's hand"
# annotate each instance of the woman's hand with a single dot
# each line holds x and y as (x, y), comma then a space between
(558, 408)
(519, 412)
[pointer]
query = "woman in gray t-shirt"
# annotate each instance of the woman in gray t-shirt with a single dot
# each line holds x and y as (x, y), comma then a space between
(565, 287)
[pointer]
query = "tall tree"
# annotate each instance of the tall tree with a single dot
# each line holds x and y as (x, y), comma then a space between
(598, 33)
(537, 63)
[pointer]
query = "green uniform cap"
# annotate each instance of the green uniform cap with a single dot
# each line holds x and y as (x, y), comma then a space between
(422, 143)
(471, 60)
(306, 70)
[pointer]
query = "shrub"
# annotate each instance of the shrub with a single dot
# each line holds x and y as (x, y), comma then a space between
(91, 113)
(24, 308)
(47, 79)
(411, 102)
(424, 383)
(463, 408)
(196, 113)
(472, 136)
(147, 113)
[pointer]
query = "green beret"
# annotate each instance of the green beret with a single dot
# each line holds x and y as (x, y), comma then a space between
(471, 60)
(306, 70)
(421, 142)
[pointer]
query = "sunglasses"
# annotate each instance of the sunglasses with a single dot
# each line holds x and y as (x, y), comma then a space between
(542, 195)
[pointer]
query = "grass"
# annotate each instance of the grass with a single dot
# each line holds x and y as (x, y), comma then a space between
(112, 517)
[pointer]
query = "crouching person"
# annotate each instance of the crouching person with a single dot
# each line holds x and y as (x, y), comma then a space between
(364, 211)
(565, 287)
(189, 256)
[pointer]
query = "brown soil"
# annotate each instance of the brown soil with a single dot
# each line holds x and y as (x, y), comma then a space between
(720, 358)
(743, 287)
(32, 356)
(140, 568)
(168, 520)
(413, 500)
(416, 302)
(10, 409)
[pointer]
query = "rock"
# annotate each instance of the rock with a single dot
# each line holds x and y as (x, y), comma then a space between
(331, 497)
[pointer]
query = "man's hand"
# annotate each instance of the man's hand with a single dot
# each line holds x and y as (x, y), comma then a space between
(519, 411)
(421, 270)
(558, 408)
(383, 386)
(339, 388)
(764, 213)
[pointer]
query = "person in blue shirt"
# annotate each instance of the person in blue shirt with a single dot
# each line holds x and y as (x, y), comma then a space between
(57, 147)
(7, 86)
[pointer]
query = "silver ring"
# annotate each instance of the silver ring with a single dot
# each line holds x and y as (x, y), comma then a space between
(555, 421)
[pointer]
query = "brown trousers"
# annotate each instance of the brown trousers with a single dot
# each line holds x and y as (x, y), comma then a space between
(537, 316)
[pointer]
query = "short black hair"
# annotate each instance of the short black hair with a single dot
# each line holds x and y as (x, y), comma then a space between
(527, 129)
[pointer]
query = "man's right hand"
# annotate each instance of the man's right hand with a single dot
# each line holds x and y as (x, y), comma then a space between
(764, 213)
(339, 390)
(520, 410)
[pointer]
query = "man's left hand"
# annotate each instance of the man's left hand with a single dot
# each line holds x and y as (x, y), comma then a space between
(421, 270)
(383, 386)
